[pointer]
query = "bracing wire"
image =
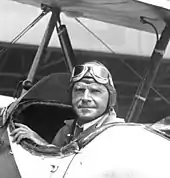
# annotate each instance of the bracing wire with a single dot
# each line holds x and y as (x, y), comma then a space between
(124, 62)
(24, 31)
(110, 49)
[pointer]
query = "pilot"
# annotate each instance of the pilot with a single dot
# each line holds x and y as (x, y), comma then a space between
(93, 97)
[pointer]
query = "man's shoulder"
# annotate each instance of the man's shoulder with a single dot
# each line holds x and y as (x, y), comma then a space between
(113, 119)
(69, 123)
(118, 119)
(68, 126)
(109, 119)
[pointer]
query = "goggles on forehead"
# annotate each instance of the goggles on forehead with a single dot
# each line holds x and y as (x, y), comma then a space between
(98, 72)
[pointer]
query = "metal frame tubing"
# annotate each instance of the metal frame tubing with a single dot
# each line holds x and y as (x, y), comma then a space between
(41, 49)
(143, 89)
(63, 36)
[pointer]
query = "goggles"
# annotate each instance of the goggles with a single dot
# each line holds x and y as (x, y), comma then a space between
(98, 72)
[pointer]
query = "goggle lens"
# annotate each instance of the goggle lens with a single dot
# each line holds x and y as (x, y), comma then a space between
(77, 70)
(99, 73)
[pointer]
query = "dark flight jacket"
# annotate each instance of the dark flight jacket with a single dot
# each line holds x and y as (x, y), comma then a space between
(66, 133)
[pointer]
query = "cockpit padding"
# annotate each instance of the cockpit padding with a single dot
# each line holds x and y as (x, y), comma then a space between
(46, 118)
(46, 105)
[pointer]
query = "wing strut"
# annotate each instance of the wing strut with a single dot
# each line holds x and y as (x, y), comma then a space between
(65, 44)
(44, 43)
(143, 89)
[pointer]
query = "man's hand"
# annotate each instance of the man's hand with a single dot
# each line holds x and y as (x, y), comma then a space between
(22, 131)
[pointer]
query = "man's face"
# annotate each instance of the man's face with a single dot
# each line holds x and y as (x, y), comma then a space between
(89, 99)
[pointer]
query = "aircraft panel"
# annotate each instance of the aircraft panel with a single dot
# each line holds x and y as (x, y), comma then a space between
(125, 13)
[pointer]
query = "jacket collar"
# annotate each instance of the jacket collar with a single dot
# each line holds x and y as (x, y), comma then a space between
(102, 120)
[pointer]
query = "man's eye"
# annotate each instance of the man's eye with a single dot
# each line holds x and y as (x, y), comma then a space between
(79, 89)
(95, 90)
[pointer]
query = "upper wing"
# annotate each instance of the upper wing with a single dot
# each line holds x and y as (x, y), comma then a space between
(121, 12)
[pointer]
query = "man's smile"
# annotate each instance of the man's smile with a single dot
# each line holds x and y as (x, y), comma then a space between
(86, 107)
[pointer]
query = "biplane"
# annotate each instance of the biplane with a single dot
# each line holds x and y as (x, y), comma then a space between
(131, 149)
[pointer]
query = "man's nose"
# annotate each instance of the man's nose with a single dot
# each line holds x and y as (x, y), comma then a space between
(86, 95)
